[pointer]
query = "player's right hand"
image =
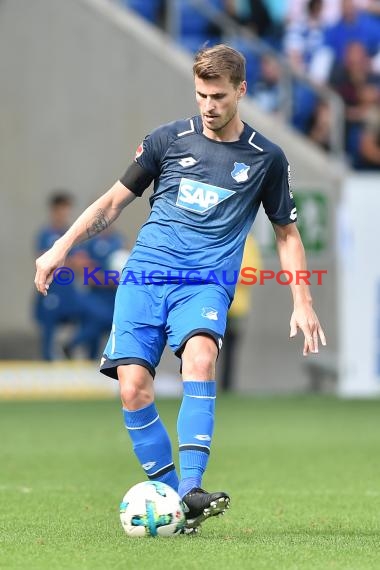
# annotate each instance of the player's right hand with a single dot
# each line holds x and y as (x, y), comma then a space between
(46, 265)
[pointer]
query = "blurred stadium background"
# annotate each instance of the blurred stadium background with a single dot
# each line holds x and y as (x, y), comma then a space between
(84, 80)
(81, 83)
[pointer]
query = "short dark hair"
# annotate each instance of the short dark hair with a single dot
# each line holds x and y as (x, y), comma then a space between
(60, 198)
(314, 5)
(220, 60)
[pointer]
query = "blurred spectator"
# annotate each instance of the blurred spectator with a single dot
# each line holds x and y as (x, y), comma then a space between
(331, 11)
(237, 319)
(353, 73)
(369, 143)
(355, 25)
(268, 92)
(359, 87)
(372, 6)
(90, 307)
(63, 304)
(251, 13)
(320, 125)
(304, 102)
(278, 10)
(304, 43)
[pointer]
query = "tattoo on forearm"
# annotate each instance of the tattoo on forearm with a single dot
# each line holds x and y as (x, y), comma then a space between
(99, 224)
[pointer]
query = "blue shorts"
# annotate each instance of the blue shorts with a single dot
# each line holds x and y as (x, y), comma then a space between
(147, 316)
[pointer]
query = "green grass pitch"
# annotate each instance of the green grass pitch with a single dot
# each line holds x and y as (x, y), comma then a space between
(303, 474)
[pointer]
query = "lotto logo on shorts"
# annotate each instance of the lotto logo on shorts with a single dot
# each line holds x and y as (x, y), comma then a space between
(199, 197)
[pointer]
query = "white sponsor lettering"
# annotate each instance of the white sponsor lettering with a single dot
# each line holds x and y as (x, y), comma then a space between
(205, 198)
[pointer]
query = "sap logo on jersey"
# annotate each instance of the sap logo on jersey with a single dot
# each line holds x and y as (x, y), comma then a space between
(199, 197)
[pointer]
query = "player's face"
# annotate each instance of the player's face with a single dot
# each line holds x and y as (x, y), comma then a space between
(218, 104)
(61, 215)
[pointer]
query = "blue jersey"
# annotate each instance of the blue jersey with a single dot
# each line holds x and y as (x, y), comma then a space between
(101, 247)
(205, 200)
(46, 238)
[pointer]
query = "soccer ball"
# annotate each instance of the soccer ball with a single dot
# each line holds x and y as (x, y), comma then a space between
(152, 509)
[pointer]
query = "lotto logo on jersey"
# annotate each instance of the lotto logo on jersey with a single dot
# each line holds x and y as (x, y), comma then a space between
(199, 197)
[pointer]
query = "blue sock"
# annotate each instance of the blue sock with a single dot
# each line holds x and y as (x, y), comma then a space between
(195, 427)
(151, 444)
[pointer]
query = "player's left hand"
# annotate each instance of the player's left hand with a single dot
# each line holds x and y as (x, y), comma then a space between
(46, 264)
(304, 318)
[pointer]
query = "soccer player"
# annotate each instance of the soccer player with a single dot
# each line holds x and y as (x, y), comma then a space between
(211, 173)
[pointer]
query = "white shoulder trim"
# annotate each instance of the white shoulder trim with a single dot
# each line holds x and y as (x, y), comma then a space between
(191, 130)
(254, 145)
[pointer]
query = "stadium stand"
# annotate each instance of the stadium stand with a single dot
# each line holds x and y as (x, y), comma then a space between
(310, 45)
(148, 9)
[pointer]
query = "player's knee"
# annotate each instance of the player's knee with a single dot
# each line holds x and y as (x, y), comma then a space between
(199, 366)
(198, 359)
(136, 388)
(134, 396)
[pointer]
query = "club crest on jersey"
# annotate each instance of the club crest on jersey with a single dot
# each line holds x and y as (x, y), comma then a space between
(200, 197)
(240, 171)
(209, 313)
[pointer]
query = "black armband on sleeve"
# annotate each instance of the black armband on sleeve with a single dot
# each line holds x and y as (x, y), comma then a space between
(136, 179)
